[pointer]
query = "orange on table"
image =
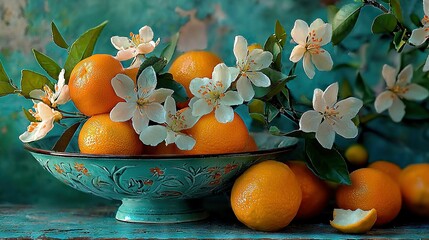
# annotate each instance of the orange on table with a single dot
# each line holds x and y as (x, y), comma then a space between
(414, 183)
(213, 137)
(389, 168)
(315, 192)
(354, 221)
(100, 135)
(90, 84)
(193, 64)
(370, 189)
(266, 196)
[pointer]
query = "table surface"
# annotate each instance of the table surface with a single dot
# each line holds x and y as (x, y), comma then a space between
(32, 221)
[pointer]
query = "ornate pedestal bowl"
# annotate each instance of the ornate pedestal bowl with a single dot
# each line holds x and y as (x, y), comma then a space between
(155, 189)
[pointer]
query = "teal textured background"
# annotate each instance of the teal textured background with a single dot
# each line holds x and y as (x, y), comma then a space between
(26, 24)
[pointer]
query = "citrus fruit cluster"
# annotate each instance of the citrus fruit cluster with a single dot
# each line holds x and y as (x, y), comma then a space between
(92, 93)
(269, 195)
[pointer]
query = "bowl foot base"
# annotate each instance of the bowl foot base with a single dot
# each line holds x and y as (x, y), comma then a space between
(160, 211)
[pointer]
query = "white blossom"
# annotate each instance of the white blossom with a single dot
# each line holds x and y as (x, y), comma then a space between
(53, 99)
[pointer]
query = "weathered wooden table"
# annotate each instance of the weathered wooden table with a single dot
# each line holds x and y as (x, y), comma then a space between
(21, 221)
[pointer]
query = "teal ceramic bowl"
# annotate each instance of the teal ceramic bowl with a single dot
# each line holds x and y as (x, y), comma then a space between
(155, 189)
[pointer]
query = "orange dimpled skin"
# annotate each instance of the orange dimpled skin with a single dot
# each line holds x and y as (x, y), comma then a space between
(193, 64)
(90, 84)
(371, 188)
(315, 192)
(213, 137)
(266, 197)
(414, 183)
(389, 168)
(100, 135)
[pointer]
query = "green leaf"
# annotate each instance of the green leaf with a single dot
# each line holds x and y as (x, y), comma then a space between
(280, 34)
(415, 19)
(49, 65)
(64, 140)
(415, 111)
(366, 93)
(273, 46)
(256, 106)
(6, 86)
(384, 23)
(328, 164)
(82, 48)
(31, 80)
(275, 131)
(259, 118)
(398, 40)
(169, 50)
(345, 89)
(57, 37)
(157, 63)
(28, 115)
(344, 21)
(166, 81)
(395, 5)
(271, 111)
(278, 83)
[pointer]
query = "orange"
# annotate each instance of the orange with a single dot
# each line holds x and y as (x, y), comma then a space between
(250, 144)
(315, 192)
(132, 73)
(389, 168)
(355, 222)
(193, 64)
(357, 154)
(414, 183)
(253, 46)
(266, 196)
(213, 137)
(90, 84)
(370, 189)
(100, 135)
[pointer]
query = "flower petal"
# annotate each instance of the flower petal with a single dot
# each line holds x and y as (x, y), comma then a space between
(426, 66)
(121, 43)
(418, 36)
(318, 102)
(170, 109)
(310, 121)
(137, 61)
(397, 110)
(317, 31)
(189, 120)
(201, 107)
(224, 114)
(146, 82)
(155, 112)
(185, 142)
(416, 92)
(199, 87)
(171, 137)
(37, 94)
(345, 128)
(124, 87)
(145, 48)
(300, 32)
(327, 37)
(389, 74)
(348, 108)
(45, 112)
(234, 73)
(322, 60)
(146, 34)
(325, 135)
(297, 53)
(231, 98)
(240, 50)
(123, 111)
(245, 89)
(140, 121)
(259, 79)
(64, 96)
(426, 7)
(221, 74)
(405, 76)
(308, 66)
(384, 101)
(153, 135)
(259, 59)
(159, 95)
(123, 55)
(330, 94)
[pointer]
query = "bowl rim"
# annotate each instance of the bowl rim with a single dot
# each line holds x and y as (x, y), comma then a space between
(32, 149)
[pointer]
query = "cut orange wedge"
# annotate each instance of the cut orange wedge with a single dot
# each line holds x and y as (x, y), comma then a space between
(354, 221)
